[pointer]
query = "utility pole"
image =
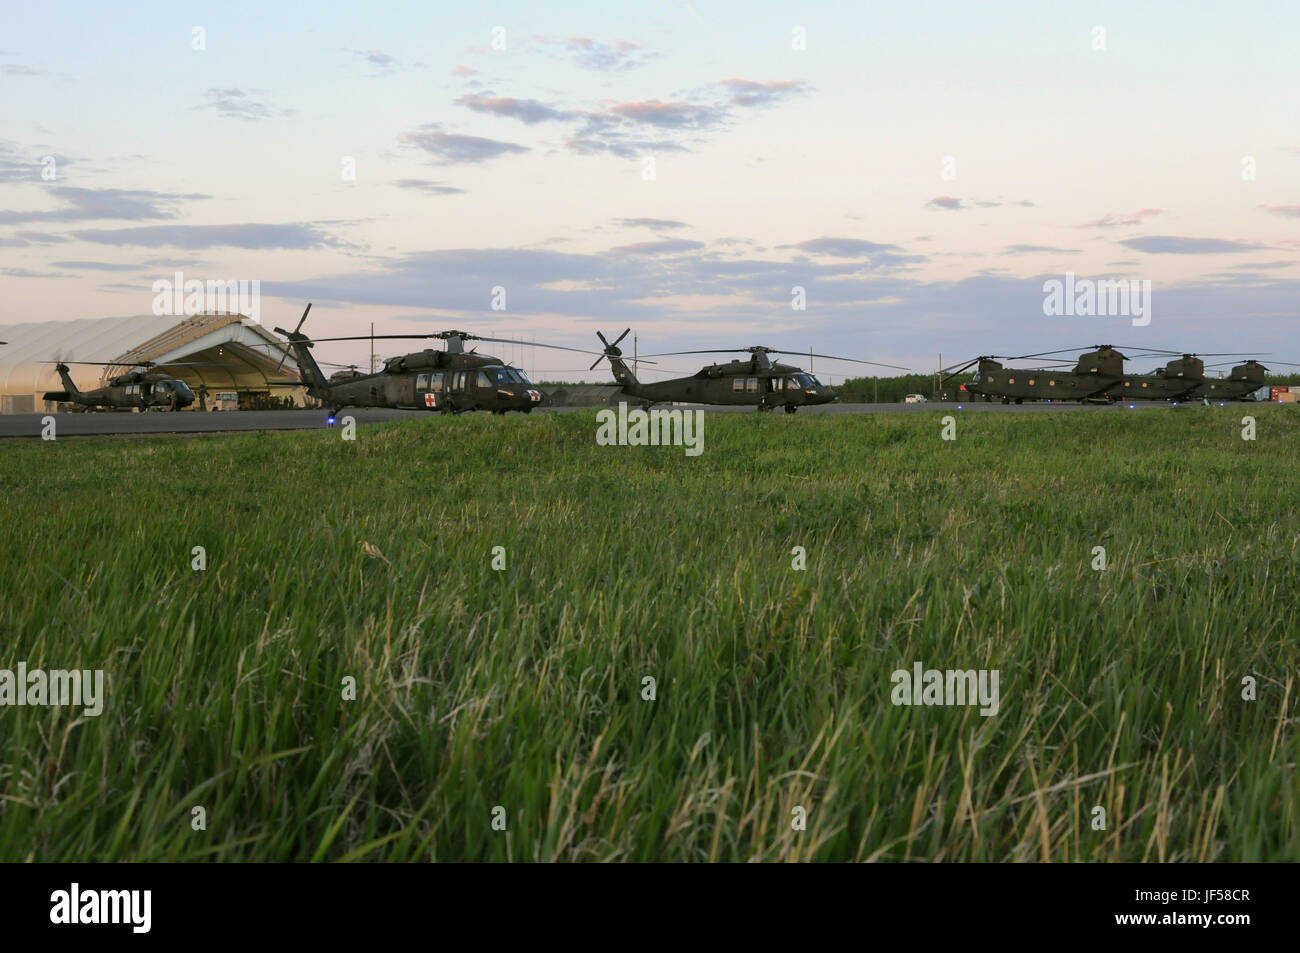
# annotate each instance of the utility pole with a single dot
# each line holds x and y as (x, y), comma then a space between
(372, 347)
(635, 365)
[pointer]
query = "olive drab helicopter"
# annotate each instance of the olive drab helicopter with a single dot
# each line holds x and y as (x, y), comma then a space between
(449, 381)
(1098, 377)
(1241, 383)
(1090, 376)
(138, 389)
(1184, 379)
(755, 382)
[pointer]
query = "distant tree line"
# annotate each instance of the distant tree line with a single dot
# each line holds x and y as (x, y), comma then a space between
(891, 390)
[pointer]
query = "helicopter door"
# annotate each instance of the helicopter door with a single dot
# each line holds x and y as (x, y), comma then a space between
(457, 384)
(428, 390)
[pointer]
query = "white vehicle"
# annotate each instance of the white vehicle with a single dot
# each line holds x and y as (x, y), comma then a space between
(916, 399)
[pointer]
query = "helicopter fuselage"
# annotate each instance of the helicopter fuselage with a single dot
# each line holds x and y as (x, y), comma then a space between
(737, 383)
(435, 381)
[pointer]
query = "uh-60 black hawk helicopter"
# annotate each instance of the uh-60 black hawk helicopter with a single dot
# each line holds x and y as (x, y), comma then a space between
(450, 381)
(138, 389)
(756, 382)
(1099, 376)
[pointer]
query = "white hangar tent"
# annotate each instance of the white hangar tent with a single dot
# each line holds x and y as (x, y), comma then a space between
(232, 350)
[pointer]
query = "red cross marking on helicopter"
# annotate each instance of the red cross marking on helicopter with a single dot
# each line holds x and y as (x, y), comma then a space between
(431, 400)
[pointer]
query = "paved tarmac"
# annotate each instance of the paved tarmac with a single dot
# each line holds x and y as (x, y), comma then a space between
(126, 424)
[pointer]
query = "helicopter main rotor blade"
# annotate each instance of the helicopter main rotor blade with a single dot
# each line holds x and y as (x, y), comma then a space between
(772, 350)
(959, 370)
(836, 357)
(444, 335)
(554, 347)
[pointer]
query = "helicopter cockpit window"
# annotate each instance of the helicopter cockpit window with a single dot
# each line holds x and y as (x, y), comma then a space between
(510, 375)
(482, 380)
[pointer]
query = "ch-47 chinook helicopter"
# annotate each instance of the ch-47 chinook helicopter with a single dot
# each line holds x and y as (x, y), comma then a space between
(450, 381)
(756, 382)
(1183, 379)
(1098, 376)
(140, 388)
(1240, 384)
(1091, 375)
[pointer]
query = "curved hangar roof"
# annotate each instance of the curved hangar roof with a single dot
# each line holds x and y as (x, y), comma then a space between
(231, 349)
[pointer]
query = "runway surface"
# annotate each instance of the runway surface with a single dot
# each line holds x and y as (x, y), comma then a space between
(126, 424)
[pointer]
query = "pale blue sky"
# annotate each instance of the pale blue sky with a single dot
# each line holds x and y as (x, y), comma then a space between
(523, 168)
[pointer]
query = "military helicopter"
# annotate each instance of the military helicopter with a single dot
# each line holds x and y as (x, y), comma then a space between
(140, 389)
(1183, 379)
(1091, 375)
(756, 382)
(1240, 384)
(450, 381)
(1098, 376)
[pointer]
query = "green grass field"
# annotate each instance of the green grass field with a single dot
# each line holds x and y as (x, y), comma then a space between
(523, 688)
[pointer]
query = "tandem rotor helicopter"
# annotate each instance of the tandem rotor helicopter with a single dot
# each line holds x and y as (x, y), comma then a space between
(451, 381)
(1099, 377)
(756, 382)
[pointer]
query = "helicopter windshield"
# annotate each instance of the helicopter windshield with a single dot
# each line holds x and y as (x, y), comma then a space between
(808, 381)
(509, 375)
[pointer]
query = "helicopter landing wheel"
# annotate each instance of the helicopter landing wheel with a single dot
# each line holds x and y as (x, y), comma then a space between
(1006, 400)
(791, 408)
(1020, 400)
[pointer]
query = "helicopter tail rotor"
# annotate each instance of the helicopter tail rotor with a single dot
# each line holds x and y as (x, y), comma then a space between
(611, 350)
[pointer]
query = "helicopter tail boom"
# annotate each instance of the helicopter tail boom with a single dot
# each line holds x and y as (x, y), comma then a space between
(69, 392)
(308, 370)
